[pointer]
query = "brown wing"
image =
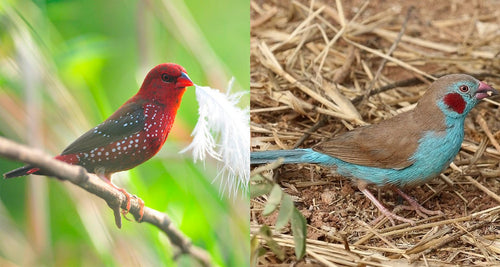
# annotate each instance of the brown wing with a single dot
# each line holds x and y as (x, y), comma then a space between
(389, 144)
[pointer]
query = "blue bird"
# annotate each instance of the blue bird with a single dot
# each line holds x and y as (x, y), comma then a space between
(405, 150)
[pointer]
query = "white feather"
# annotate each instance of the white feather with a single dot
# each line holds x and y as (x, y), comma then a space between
(223, 132)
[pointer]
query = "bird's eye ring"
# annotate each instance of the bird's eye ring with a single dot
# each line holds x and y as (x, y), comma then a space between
(464, 88)
(167, 78)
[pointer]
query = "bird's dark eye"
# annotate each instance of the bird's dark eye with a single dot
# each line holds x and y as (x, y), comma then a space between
(167, 78)
(464, 88)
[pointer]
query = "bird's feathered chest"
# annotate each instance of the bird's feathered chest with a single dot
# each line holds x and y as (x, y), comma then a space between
(157, 123)
(439, 148)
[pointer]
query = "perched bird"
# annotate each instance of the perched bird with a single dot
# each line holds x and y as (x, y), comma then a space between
(405, 150)
(132, 134)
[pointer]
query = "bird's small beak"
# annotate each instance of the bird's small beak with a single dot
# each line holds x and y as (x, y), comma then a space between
(183, 81)
(485, 91)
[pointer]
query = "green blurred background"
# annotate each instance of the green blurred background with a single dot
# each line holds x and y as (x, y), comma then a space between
(67, 65)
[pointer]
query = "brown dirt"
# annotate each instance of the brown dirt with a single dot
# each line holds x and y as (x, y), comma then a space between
(465, 38)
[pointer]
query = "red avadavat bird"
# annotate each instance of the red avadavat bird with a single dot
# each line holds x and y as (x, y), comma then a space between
(131, 135)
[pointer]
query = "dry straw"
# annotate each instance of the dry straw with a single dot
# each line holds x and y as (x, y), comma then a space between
(319, 68)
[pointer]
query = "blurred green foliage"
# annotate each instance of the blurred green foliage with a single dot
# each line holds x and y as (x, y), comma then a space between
(85, 58)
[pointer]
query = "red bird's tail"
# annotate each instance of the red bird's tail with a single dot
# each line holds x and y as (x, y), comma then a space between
(23, 171)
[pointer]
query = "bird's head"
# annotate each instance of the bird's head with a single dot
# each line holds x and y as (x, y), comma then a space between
(164, 80)
(457, 94)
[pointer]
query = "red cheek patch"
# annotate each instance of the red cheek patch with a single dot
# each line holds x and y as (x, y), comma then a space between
(455, 102)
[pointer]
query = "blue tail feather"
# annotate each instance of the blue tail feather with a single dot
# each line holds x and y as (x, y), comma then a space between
(290, 156)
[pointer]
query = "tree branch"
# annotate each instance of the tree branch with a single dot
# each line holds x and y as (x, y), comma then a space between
(94, 185)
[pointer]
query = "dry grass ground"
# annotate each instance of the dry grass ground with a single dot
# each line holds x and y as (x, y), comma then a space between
(316, 71)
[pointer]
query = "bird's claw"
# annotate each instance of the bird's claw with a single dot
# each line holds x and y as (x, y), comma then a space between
(141, 209)
(414, 205)
(391, 216)
(420, 210)
(385, 212)
(128, 199)
(129, 204)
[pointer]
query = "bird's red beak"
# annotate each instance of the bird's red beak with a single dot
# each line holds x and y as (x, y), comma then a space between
(183, 81)
(485, 91)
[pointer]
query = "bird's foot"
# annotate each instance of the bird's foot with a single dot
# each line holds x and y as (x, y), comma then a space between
(421, 211)
(128, 200)
(141, 208)
(414, 205)
(391, 216)
(127, 210)
(128, 197)
(385, 212)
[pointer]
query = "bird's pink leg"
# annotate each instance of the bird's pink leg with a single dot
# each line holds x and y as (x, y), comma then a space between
(423, 212)
(385, 212)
